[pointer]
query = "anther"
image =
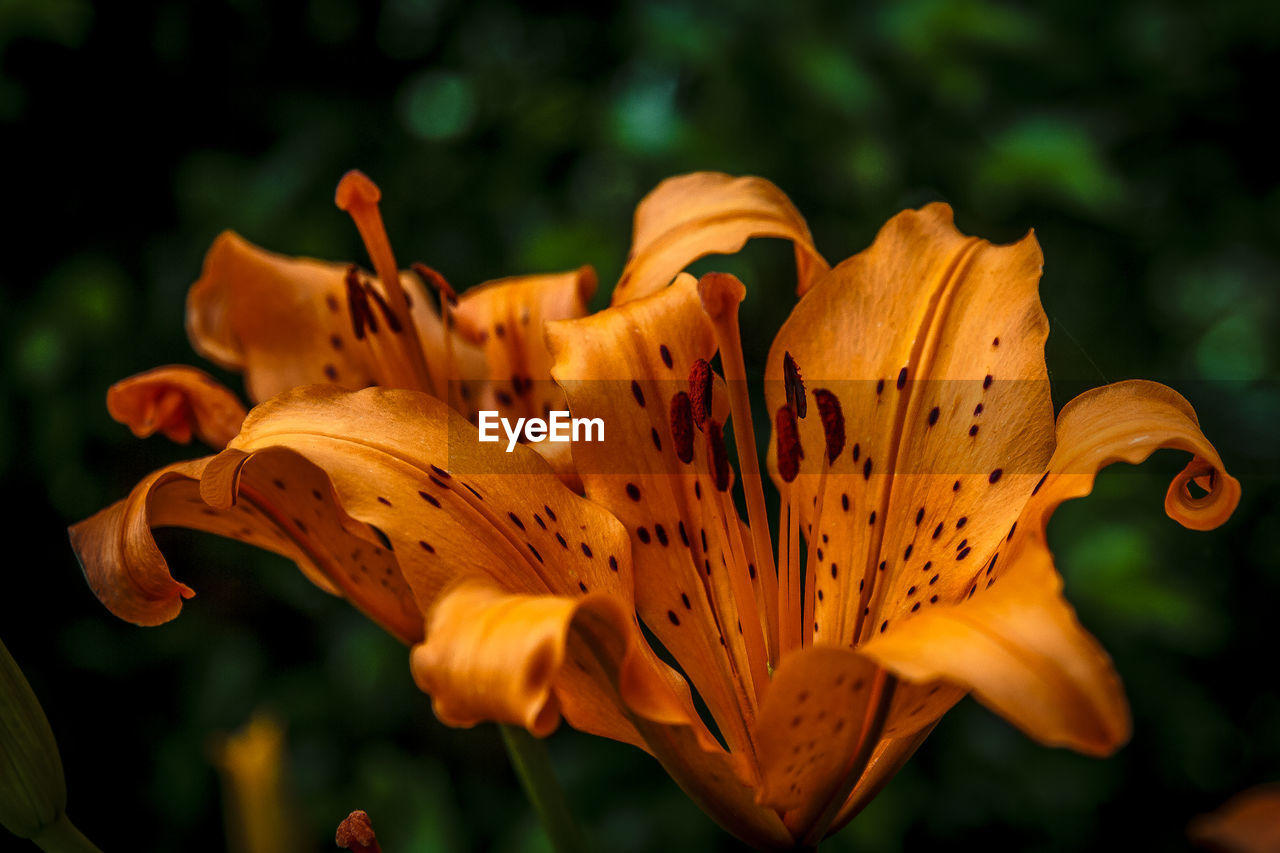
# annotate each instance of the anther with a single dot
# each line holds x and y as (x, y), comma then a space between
(437, 282)
(700, 385)
(717, 454)
(393, 322)
(794, 383)
(789, 450)
(682, 427)
(357, 302)
(832, 417)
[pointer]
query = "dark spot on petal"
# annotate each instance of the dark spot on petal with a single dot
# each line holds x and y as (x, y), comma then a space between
(933, 415)
(637, 392)
(675, 620)
(643, 534)
(586, 550)
(515, 519)
(633, 491)
(666, 355)
(429, 498)
(995, 476)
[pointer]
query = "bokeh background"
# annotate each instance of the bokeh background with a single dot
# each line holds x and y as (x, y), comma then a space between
(512, 139)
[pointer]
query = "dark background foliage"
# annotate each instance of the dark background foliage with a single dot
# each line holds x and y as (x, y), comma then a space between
(507, 140)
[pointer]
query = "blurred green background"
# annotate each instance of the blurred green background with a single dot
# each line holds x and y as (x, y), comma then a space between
(509, 139)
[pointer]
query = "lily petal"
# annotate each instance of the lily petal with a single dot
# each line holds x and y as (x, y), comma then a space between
(452, 509)
(1247, 823)
(526, 660)
(286, 508)
(810, 725)
(1013, 639)
(506, 317)
(178, 401)
(495, 656)
(682, 593)
(949, 421)
(286, 321)
(705, 213)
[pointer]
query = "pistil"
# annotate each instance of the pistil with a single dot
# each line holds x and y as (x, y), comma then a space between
(721, 294)
(400, 358)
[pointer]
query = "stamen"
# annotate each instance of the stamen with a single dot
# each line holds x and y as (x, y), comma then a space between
(448, 300)
(717, 455)
(393, 322)
(744, 594)
(682, 427)
(789, 450)
(356, 833)
(721, 294)
(357, 302)
(833, 431)
(401, 362)
(700, 387)
(832, 417)
(795, 386)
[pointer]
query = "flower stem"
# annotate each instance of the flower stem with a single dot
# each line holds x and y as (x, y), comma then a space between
(63, 837)
(532, 764)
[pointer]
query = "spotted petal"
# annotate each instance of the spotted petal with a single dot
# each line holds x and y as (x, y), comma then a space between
(933, 342)
(286, 507)
(706, 213)
(1013, 640)
(624, 366)
(286, 322)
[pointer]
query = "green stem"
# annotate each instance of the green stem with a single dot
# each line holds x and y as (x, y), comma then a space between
(63, 837)
(532, 764)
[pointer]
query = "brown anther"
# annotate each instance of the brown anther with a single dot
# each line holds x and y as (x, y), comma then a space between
(356, 833)
(717, 454)
(832, 421)
(393, 322)
(682, 427)
(789, 450)
(720, 293)
(357, 302)
(700, 385)
(794, 383)
(436, 281)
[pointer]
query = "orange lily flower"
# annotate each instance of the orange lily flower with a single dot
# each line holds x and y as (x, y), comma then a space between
(922, 483)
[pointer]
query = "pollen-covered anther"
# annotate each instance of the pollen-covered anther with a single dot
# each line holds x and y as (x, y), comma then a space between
(832, 417)
(682, 427)
(717, 454)
(358, 304)
(789, 450)
(700, 385)
(794, 383)
(356, 833)
(720, 293)
(437, 282)
(393, 322)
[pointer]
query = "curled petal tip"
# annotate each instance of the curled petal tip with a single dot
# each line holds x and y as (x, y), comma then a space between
(720, 293)
(356, 188)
